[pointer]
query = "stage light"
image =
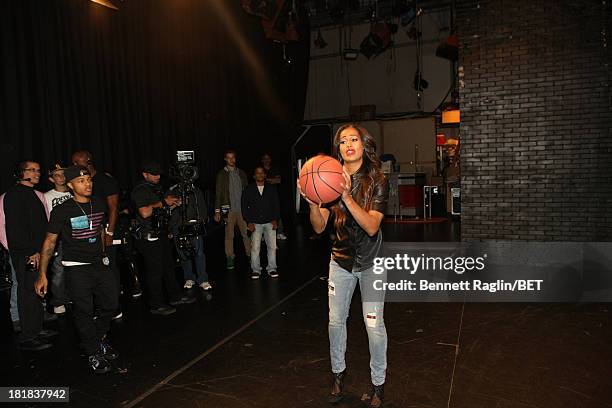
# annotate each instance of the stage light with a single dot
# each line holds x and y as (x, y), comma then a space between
(377, 41)
(106, 3)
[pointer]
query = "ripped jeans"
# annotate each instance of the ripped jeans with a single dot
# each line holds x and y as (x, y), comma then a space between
(341, 286)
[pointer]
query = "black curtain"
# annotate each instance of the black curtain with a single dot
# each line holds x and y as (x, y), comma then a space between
(153, 77)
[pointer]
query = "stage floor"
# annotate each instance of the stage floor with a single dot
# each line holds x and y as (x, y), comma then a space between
(264, 344)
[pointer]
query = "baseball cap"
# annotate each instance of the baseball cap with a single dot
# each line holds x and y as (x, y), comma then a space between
(152, 167)
(55, 167)
(73, 172)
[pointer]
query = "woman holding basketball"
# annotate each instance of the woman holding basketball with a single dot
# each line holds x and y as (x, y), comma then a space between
(356, 218)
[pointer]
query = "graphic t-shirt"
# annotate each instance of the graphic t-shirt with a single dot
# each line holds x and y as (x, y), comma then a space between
(55, 198)
(80, 226)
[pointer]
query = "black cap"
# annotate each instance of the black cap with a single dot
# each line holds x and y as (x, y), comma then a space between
(152, 167)
(73, 172)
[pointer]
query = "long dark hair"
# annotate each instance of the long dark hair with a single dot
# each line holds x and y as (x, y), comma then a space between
(369, 174)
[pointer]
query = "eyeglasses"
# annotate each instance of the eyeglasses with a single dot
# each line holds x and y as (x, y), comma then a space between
(33, 170)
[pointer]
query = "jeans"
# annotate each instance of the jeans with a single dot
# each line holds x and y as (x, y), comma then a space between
(58, 289)
(14, 308)
(92, 287)
(269, 235)
(341, 286)
(200, 261)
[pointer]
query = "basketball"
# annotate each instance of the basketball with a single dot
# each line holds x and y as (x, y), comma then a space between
(321, 178)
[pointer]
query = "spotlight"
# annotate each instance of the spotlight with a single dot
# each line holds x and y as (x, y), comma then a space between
(319, 42)
(106, 3)
(377, 41)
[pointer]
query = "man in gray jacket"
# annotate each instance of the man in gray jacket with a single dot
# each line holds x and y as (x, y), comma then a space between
(231, 181)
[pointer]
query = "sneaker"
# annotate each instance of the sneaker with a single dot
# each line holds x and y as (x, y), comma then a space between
(255, 275)
(281, 236)
(206, 286)
(46, 334)
(184, 300)
(188, 284)
(99, 364)
(273, 274)
(163, 310)
(61, 309)
(34, 345)
(107, 351)
(230, 262)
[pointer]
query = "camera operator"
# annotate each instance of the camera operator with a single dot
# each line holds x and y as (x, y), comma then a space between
(126, 253)
(188, 225)
(153, 241)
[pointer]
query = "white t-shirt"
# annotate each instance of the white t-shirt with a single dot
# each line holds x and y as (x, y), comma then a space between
(55, 198)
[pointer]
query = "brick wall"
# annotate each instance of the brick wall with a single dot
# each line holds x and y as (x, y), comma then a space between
(536, 139)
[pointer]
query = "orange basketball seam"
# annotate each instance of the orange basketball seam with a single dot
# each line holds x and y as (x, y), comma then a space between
(327, 171)
(314, 186)
(328, 185)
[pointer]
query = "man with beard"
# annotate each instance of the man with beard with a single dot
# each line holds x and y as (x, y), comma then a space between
(154, 243)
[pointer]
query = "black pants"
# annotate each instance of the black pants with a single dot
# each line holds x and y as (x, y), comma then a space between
(29, 303)
(111, 252)
(57, 282)
(159, 263)
(92, 287)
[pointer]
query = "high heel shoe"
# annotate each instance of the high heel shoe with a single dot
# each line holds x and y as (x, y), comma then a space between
(337, 390)
(378, 396)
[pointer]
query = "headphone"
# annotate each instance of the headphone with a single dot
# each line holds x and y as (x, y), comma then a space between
(19, 169)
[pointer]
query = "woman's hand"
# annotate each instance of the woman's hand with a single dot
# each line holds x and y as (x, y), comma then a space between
(347, 185)
(312, 203)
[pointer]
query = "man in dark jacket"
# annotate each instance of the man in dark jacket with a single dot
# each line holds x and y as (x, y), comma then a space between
(230, 183)
(260, 209)
(26, 227)
(188, 227)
